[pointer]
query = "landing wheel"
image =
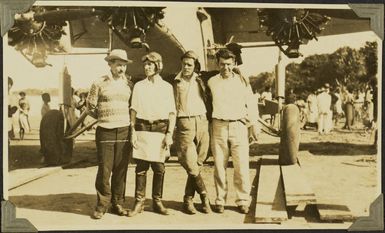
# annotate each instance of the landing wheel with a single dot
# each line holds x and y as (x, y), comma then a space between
(55, 148)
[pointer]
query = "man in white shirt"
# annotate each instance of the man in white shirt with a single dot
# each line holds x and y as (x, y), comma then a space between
(152, 125)
(234, 107)
(324, 102)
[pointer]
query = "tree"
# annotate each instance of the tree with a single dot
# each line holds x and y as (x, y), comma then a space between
(369, 52)
(348, 67)
(261, 81)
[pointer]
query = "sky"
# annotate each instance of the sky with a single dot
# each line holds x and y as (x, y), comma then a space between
(86, 68)
(257, 60)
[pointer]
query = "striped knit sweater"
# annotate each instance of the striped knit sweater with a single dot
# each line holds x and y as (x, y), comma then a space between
(111, 99)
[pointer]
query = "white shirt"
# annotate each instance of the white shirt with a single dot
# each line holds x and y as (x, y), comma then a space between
(232, 99)
(324, 101)
(189, 101)
(267, 95)
(153, 100)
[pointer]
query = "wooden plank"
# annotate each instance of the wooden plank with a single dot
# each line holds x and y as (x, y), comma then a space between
(333, 210)
(297, 189)
(270, 203)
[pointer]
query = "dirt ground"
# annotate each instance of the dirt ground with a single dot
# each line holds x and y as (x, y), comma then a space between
(341, 166)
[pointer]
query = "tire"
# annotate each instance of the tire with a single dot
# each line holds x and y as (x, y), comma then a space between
(289, 145)
(55, 149)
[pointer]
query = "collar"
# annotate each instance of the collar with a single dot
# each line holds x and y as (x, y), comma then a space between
(110, 78)
(233, 75)
(156, 78)
(179, 76)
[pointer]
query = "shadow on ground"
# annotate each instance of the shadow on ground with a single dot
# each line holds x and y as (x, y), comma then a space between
(76, 203)
(318, 148)
(29, 156)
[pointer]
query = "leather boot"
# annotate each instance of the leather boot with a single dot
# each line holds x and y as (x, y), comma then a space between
(140, 194)
(157, 192)
(188, 203)
(201, 189)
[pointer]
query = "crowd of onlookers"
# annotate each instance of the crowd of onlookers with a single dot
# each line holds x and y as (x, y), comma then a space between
(18, 113)
(19, 110)
(325, 107)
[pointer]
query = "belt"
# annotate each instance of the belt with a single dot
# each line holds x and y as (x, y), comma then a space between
(243, 121)
(159, 126)
(196, 116)
(148, 122)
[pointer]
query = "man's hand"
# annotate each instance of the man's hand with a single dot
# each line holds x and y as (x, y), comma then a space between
(254, 132)
(134, 139)
(167, 141)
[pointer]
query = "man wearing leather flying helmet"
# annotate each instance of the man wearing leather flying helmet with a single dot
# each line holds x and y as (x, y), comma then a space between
(152, 124)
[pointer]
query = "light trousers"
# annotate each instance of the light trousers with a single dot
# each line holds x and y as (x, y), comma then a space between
(192, 136)
(231, 138)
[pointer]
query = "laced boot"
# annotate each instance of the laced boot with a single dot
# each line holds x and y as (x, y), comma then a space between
(201, 189)
(188, 203)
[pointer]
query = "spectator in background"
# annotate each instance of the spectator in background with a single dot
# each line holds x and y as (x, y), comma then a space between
(12, 109)
(358, 104)
(24, 105)
(338, 112)
(312, 108)
(323, 103)
(369, 103)
(333, 100)
(374, 87)
(266, 95)
(45, 108)
(348, 108)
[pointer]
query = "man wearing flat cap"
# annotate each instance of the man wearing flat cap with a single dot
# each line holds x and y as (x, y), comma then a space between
(192, 129)
(109, 98)
(234, 110)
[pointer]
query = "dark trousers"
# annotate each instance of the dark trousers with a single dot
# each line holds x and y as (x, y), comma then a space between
(142, 166)
(141, 169)
(113, 149)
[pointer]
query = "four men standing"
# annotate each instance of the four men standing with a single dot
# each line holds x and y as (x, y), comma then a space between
(188, 102)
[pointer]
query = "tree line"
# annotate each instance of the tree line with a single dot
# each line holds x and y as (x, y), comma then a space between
(346, 67)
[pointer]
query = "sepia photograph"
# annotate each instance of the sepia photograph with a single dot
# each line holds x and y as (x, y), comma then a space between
(172, 115)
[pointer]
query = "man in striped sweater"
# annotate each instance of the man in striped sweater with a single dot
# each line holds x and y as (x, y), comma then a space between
(109, 97)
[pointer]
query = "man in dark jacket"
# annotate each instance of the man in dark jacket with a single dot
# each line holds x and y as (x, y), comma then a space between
(192, 133)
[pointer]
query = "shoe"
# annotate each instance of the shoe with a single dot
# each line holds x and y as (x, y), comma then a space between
(138, 208)
(118, 210)
(159, 207)
(219, 209)
(157, 191)
(188, 205)
(201, 189)
(97, 214)
(243, 209)
(206, 207)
